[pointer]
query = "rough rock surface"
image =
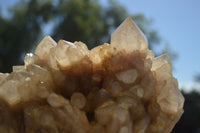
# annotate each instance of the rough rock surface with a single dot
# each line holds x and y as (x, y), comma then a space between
(113, 88)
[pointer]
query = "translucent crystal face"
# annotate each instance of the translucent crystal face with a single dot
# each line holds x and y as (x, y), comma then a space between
(128, 37)
(113, 88)
(43, 49)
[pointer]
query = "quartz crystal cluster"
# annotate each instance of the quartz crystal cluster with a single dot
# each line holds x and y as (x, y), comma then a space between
(114, 88)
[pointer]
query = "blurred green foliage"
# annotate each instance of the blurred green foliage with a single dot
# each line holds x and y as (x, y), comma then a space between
(19, 32)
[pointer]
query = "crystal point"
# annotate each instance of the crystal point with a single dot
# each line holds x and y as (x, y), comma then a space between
(128, 37)
(161, 60)
(43, 49)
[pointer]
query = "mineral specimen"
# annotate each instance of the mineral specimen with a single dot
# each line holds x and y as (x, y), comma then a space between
(113, 88)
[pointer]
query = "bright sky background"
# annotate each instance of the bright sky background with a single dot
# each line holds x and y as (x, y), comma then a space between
(177, 21)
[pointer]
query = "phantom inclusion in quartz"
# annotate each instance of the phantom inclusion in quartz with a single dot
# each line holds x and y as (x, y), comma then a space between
(113, 88)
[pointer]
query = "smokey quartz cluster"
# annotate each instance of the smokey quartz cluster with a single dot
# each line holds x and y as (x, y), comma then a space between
(114, 88)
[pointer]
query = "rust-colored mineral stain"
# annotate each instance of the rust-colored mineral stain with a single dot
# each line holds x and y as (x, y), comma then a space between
(113, 88)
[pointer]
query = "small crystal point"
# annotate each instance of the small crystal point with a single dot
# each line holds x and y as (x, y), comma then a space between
(43, 49)
(68, 53)
(162, 67)
(161, 60)
(62, 54)
(128, 37)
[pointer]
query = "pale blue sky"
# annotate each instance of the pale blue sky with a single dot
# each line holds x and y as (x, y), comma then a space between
(177, 21)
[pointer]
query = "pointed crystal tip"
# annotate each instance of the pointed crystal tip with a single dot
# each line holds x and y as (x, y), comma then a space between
(128, 37)
(43, 49)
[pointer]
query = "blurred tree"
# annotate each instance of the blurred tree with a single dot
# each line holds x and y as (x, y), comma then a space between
(91, 23)
(197, 78)
(84, 20)
(18, 33)
(81, 20)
